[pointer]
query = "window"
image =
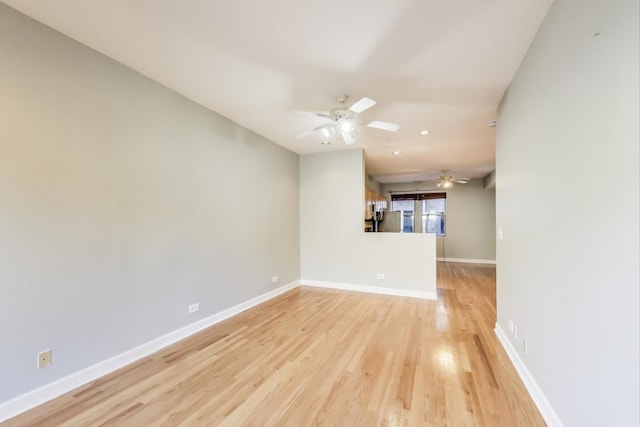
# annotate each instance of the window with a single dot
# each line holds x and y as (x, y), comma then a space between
(428, 209)
(433, 216)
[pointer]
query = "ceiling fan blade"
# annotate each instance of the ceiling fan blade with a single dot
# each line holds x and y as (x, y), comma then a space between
(383, 125)
(305, 134)
(460, 181)
(362, 104)
(314, 130)
(313, 113)
(348, 138)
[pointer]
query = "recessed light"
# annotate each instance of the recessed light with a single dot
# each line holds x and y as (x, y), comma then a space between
(396, 153)
(325, 142)
(424, 132)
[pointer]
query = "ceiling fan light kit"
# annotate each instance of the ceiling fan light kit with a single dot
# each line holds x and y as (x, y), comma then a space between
(343, 126)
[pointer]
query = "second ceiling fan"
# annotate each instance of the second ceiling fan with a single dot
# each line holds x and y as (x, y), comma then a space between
(447, 181)
(343, 125)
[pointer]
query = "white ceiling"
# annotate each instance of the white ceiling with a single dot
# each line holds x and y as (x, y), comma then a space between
(440, 65)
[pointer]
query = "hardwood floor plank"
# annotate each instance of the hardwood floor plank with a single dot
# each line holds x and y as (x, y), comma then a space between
(322, 357)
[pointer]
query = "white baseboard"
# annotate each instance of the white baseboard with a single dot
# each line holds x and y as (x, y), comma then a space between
(371, 289)
(29, 400)
(468, 260)
(545, 408)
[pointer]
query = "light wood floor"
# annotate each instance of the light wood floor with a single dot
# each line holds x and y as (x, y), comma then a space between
(322, 357)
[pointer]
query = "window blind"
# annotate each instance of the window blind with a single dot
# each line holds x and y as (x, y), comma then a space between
(418, 196)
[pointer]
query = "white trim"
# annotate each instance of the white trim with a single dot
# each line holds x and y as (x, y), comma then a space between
(468, 260)
(370, 289)
(545, 408)
(31, 399)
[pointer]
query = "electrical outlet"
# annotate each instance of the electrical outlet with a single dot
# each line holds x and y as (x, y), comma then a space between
(524, 346)
(194, 307)
(499, 233)
(515, 330)
(511, 326)
(44, 359)
(274, 279)
(380, 276)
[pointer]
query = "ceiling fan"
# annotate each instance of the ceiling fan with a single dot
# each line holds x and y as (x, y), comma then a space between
(447, 181)
(343, 121)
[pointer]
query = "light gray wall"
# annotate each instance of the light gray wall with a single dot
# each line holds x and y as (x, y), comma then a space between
(121, 203)
(567, 200)
(372, 184)
(489, 181)
(333, 246)
(471, 219)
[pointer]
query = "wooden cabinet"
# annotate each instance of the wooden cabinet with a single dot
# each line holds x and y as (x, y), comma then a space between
(373, 202)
